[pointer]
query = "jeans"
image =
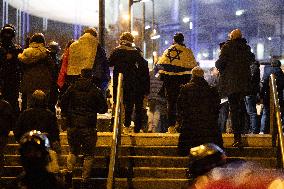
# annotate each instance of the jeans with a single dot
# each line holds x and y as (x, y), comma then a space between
(153, 116)
(264, 125)
(250, 102)
(223, 116)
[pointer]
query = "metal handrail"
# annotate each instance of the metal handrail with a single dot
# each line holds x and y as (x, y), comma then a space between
(116, 134)
(274, 95)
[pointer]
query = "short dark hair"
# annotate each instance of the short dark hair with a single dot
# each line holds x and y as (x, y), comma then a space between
(275, 63)
(179, 38)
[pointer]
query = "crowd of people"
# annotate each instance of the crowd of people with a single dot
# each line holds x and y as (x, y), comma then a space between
(181, 98)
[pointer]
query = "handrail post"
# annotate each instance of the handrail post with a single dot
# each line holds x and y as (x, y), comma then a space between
(271, 109)
(116, 134)
(278, 116)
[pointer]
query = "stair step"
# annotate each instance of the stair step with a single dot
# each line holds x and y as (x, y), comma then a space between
(12, 149)
(165, 139)
(147, 161)
(122, 183)
(135, 183)
(124, 172)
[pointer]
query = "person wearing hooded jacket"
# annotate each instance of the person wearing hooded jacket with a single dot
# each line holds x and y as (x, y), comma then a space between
(235, 79)
(80, 104)
(86, 52)
(38, 117)
(10, 66)
(128, 60)
(175, 67)
(39, 71)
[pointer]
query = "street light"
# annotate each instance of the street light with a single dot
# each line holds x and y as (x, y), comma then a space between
(130, 3)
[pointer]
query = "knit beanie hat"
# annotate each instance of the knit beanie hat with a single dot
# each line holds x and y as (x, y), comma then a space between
(91, 31)
(235, 34)
(197, 72)
(127, 36)
(38, 38)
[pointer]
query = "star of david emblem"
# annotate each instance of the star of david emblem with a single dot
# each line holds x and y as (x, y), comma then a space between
(173, 54)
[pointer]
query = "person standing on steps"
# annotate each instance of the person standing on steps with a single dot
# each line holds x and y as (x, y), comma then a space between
(235, 79)
(175, 67)
(129, 61)
(80, 105)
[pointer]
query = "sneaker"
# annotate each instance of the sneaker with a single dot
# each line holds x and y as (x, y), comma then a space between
(261, 133)
(172, 130)
(140, 131)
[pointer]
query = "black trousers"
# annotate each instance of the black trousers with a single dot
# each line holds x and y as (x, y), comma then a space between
(173, 85)
(238, 113)
(131, 101)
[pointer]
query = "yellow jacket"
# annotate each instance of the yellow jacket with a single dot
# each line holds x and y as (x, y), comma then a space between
(176, 60)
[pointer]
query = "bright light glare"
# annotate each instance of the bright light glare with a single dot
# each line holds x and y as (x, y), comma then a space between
(260, 51)
(154, 31)
(185, 19)
(166, 42)
(269, 38)
(240, 12)
(120, 7)
(147, 27)
(156, 37)
(83, 12)
(125, 17)
(135, 33)
(190, 25)
(205, 54)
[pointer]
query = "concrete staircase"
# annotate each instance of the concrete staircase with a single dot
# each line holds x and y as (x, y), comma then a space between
(147, 160)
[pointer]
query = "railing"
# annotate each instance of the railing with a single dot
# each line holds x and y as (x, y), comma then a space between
(275, 111)
(116, 134)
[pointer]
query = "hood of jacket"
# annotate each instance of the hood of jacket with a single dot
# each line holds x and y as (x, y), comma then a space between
(34, 53)
(83, 84)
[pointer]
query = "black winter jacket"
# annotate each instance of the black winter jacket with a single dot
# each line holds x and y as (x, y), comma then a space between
(198, 105)
(234, 67)
(81, 103)
(128, 61)
(255, 78)
(40, 119)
